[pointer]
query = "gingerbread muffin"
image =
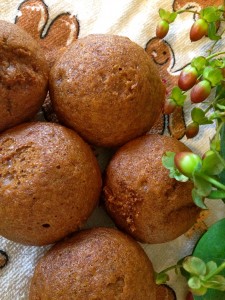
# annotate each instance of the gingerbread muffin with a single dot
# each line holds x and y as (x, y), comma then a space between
(141, 197)
(23, 76)
(49, 183)
(99, 263)
(106, 88)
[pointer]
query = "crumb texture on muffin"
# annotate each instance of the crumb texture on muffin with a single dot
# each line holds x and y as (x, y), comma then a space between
(141, 197)
(23, 76)
(50, 183)
(107, 88)
(99, 263)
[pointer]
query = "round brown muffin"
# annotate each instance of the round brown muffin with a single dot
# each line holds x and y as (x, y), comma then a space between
(100, 264)
(50, 183)
(141, 197)
(106, 88)
(23, 76)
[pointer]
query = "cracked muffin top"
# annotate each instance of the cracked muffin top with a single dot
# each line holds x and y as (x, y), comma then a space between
(50, 183)
(106, 88)
(23, 76)
(141, 197)
(98, 263)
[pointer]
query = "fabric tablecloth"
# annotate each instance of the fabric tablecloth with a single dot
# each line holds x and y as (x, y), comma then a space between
(56, 24)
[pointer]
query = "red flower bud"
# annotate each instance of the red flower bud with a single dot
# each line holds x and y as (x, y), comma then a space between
(187, 78)
(169, 106)
(200, 91)
(192, 130)
(162, 29)
(198, 30)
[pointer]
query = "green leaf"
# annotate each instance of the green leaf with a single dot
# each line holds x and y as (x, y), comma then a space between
(216, 194)
(210, 14)
(211, 266)
(222, 152)
(213, 75)
(221, 107)
(168, 159)
(216, 282)
(161, 278)
(212, 32)
(198, 116)
(211, 247)
(199, 63)
(172, 17)
(194, 283)
(163, 13)
(220, 92)
(167, 15)
(212, 164)
(216, 63)
(202, 186)
(178, 96)
(174, 173)
(195, 266)
(198, 199)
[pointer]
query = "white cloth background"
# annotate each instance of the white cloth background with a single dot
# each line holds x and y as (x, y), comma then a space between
(136, 19)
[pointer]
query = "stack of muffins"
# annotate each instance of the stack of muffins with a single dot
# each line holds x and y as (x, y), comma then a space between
(105, 92)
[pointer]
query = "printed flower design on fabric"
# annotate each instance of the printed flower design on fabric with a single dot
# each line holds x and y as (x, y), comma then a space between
(178, 4)
(33, 16)
(162, 54)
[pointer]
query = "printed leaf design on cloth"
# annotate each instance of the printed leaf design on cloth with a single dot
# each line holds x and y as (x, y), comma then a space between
(181, 4)
(33, 16)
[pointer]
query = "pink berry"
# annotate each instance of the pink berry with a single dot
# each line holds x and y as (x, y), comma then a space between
(187, 78)
(192, 130)
(200, 91)
(162, 29)
(198, 30)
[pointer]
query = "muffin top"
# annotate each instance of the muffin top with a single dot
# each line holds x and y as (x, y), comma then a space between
(98, 263)
(141, 197)
(50, 183)
(107, 88)
(23, 76)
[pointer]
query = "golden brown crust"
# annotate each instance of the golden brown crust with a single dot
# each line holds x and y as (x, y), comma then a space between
(107, 89)
(140, 196)
(50, 182)
(23, 76)
(99, 263)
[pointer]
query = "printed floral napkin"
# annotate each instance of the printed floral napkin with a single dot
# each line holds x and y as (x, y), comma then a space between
(56, 24)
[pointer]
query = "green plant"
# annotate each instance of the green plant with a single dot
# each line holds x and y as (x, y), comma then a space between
(205, 270)
(204, 79)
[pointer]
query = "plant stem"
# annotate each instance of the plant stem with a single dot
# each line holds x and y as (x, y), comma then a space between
(212, 181)
(214, 44)
(215, 54)
(170, 268)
